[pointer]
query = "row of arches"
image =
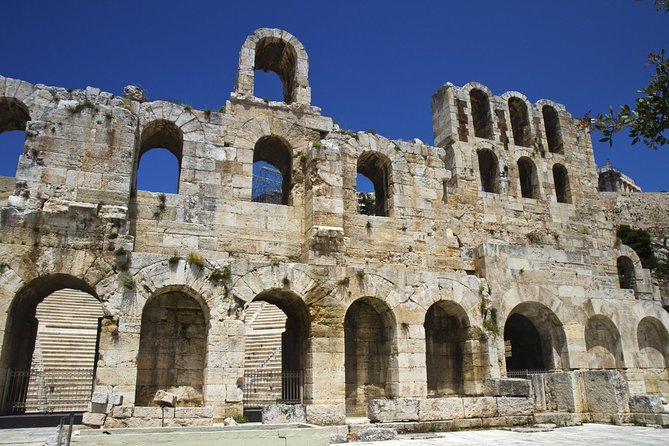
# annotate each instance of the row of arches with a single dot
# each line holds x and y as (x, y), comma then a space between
(529, 182)
(521, 124)
(174, 342)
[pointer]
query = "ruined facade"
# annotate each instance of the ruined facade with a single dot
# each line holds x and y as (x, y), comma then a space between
(490, 255)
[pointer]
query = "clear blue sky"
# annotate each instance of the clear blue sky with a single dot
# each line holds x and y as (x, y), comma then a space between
(373, 64)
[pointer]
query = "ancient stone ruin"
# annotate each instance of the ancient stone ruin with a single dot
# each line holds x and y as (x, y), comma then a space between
(481, 285)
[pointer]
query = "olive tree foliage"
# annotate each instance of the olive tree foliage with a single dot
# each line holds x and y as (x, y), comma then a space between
(648, 119)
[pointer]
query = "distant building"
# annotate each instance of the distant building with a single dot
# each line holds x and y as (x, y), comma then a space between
(613, 180)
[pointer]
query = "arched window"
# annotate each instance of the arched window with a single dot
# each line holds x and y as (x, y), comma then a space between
(14, 117)
(374, 168)
(561, 181)
(272, 167)
(520, 122)
(529, 182)
(274, 54)
(159, 158)
(481, 114)
(553, 131)
(488, 170)
(626, 276)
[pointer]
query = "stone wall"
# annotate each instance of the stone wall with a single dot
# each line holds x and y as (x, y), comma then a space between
(538, 247)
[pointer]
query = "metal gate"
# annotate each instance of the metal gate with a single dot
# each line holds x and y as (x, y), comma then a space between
(44, 391)
(264, 387)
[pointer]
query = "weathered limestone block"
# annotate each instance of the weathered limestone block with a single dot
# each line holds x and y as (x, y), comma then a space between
(188, 422)
(284, 414)
(605, 391)
(514, 406)
(476, 407)
(133, 422)
(508, 387)
(99, 408)
(646, 404)
(325, 414)
(93, 419)
(116, 399)
(122, 411)
(164, 398)
(393, 409)
(99, 398)
(193, 412)
(434, 409)
(377, 434)
(560, 393)
(148, 412)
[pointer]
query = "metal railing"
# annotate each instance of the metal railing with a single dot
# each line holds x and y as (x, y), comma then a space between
(44, 391)
(63, 438)
(524, 373)
(264, 387)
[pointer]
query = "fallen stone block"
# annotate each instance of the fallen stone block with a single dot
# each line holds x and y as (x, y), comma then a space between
(93, 419)
(284, 414)
(193, 412)
(163, 398)
(116, 399)
(325, 414)
(393, 409)
(148, 412)
(377, 434)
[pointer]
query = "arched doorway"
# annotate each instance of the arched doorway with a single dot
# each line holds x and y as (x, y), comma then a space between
(446, 325)
(277, 331)
(50, 348)
(369, 330)
(534, 340)
(172, 348)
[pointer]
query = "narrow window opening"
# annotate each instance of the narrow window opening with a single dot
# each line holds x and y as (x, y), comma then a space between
(268, 86)
(14, 118)
(626, 276)
(561, 181)
(364, 189)
(159, 160)
(488, 170)
(520, 122)
(553, 132)
(273, 54)
(272, 165)
(481, 115)
(373, 170)
(529, 183)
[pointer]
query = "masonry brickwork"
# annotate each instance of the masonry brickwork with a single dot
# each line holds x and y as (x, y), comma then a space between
(490, 253)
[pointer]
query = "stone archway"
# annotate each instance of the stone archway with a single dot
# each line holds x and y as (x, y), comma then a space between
(172, 349)
(446, 330)
(603, 344)
(49, 350)
(369, 330)
(534, 339)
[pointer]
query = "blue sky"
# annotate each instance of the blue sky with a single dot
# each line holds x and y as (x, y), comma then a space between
(373, 65)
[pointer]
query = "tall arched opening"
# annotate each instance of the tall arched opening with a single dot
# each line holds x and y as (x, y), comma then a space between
(49, 351)
(376, 168)
(172, 348)
(14, 118)
(272, 171)
(602, 342)
(369, 331)
(446, 327)
(534, 340)
(653, 341)
(277, 332)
